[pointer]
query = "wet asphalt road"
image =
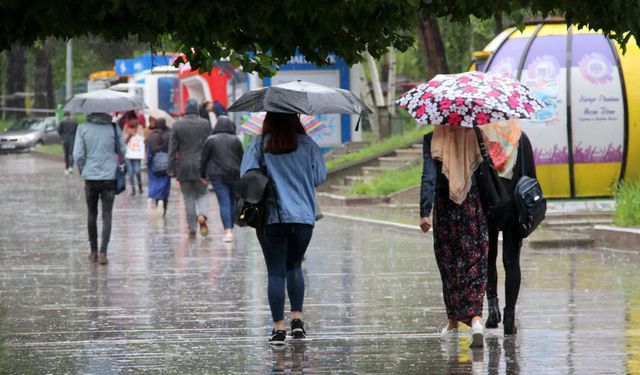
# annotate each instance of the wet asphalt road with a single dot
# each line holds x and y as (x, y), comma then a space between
(167, 304)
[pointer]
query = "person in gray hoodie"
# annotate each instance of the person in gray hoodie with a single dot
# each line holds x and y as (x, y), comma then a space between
(185, 148)
(220, 164)
(95, 154)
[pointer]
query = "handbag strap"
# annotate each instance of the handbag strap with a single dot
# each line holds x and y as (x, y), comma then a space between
(521, 152)
(263, 167)
(115, 140)
(483, 147)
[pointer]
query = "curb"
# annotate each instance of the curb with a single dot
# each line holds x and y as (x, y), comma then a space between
(402, 227)
(617, 237)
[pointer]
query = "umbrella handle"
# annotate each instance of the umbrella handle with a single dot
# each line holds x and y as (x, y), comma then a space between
(358, 123)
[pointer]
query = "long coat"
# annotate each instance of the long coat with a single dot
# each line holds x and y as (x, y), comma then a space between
(187, 140)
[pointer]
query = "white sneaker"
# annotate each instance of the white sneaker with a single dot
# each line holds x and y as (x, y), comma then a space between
(476, 336)
(70, 170)
(228, 237)
(449, 334)
(66, 172)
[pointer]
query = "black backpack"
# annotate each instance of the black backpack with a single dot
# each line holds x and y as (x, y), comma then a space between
(529, 200)
(254, 189)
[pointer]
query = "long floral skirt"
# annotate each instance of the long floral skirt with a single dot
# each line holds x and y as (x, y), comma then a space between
(461, 244)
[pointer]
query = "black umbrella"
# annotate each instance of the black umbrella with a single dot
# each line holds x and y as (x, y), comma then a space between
(300, 97)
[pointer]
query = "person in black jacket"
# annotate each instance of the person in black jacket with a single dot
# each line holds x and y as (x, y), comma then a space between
(220, 164)
(511, 244)
(67, 132)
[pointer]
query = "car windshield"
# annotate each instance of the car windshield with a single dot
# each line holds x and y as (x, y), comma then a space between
(28, 124)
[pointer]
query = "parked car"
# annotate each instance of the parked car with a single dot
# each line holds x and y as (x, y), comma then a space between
(30, 132)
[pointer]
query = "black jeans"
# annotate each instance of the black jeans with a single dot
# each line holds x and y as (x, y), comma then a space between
(511, 244)
(104, 191)
(283, 247)
(68, 153)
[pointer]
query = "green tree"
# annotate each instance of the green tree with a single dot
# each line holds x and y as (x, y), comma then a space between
(268, 32)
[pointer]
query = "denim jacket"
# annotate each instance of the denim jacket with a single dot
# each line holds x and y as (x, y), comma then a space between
(295, 176)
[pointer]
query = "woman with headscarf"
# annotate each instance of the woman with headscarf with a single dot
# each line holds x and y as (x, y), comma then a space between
(159, 180)
(461, 242)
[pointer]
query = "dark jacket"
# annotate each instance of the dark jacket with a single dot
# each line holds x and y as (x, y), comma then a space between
(187, 140)
(433, 180)
(67, 130)
(222, 153)
(159, 139)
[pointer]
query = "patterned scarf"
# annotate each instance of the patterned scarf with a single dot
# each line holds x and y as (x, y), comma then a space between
(502, 139)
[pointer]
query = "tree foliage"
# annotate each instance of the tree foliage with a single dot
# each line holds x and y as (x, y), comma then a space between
(262, 34)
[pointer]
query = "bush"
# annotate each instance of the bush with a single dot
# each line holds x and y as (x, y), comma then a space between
(627, 197)
(391, 143)
(388, 182)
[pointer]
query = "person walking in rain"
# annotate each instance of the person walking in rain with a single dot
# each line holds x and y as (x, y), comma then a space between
(509, 164)
(95, 155)
(185, 148)
(451, 157)
(67, 132)
(134, 154)
(157, 152)
(296, 166)
(220, 164)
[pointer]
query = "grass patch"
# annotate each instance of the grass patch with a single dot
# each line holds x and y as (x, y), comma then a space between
(52, 149)
(4, 124)
(627, 197)
(390, 143)
(388, 182)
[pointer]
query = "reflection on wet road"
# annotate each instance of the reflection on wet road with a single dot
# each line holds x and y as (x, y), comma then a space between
(166, 304)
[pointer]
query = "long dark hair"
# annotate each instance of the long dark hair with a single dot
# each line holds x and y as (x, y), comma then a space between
(283, 129)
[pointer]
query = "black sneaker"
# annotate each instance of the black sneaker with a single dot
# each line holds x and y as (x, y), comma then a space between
(277, 337)
(297, 329)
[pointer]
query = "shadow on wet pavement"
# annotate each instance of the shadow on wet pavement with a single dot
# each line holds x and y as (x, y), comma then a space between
(167, 304)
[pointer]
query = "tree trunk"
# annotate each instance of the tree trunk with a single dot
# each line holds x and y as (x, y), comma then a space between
(370, 102)
(499, 27)
(391, 80)
(432, 46)
(375, 80)
(40, 100)
(16, 80)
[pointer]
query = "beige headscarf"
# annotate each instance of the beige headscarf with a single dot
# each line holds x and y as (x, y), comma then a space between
(457, 149)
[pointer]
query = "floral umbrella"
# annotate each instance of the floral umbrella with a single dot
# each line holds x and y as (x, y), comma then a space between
(253, 124)
(469, 99)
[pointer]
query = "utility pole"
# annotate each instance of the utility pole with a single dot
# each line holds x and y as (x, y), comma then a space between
(69, 91)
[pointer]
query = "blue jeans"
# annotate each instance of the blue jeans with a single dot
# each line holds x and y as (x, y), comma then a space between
(226, 194)
(283, 247)
(133, 169)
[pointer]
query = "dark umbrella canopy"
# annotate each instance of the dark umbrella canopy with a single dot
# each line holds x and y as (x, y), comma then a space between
(104, 101)
(300, 97)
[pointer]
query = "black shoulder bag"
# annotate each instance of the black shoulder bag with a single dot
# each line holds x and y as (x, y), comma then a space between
(496, 199)
(253, 191)
(530, 202)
